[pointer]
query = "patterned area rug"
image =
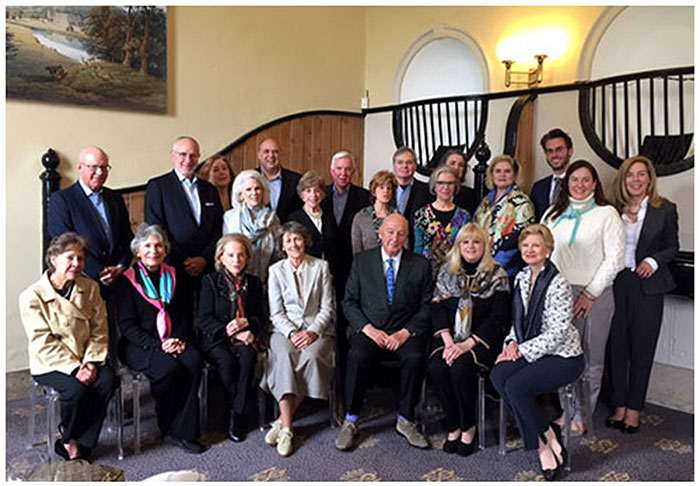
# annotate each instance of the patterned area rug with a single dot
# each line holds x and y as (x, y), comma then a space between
(661, 451)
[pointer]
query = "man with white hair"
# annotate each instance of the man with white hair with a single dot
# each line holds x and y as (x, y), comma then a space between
(343, 200)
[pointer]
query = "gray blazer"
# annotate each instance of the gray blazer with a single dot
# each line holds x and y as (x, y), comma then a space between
(363, 235)
(289, 312)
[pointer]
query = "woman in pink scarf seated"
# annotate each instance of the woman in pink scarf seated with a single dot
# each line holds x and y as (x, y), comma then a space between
(156, 337)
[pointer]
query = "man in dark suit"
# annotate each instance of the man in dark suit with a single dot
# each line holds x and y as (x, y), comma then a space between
(97, 213)
(283, 183)
(411, 194)
(387, 304)
(190, 212)
(558, 150)
(343, 200)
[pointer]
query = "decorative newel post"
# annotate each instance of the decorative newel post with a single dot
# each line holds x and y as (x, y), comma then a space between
(50, 183)
(483, 154)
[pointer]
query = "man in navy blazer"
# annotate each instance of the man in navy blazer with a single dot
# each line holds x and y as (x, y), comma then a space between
(190, 212)
(97, 213)
(283, 183)
(387, 304)
(558, 150)
(411, 194)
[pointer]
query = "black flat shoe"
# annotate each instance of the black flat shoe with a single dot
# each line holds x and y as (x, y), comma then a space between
(236, 429)
(84, 453)
(189, 446)
(61, 450)
(465, 449)
(629, 429)
(612, 423)
(450, 446)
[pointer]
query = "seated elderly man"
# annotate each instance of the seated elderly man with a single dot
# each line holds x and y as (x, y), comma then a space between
(387, 304)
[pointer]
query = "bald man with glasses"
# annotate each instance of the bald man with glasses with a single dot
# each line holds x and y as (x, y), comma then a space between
(97, 213)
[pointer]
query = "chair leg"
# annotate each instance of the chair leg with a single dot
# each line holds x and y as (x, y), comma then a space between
(481, 410)
(118, 403)
(203, 397)
(585, 392)
(262, 409)
(501, 428)
(568, 409)
(51, 423)
(31, 426)
(136, 402)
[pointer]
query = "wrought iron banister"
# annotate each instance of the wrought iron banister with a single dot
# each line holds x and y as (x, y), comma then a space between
(430, 127)
(640, 113)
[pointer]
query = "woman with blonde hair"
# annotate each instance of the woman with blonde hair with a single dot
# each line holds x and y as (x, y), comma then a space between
(470, 314)
(542, 351)
(218, 172)
(231, 318)
(651, 232)
(504, 212)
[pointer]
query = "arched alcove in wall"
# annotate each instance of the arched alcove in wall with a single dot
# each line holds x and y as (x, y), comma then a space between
(442, 62)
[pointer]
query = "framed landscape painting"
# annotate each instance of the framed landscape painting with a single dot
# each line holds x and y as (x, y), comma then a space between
(106, 57)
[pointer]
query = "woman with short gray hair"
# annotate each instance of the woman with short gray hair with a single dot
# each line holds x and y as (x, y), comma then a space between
(156, 337)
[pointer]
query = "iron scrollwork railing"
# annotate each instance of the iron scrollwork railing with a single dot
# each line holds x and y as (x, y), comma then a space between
(648, 113)
(431, 127)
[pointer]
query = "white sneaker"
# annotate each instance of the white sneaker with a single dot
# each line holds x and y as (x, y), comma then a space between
(272, 435)
(284, 442)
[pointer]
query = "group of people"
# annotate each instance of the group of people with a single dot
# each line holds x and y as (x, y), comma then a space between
(327, 281)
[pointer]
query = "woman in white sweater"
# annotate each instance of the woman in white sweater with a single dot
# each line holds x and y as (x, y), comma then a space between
(589, 248)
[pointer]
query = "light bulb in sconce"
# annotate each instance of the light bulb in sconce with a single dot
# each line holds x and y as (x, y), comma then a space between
(523, 53)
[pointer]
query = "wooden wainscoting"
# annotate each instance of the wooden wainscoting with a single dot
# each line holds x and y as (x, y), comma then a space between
(307, 141)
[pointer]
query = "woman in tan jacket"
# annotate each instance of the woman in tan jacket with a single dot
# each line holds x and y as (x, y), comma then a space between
(66, 325)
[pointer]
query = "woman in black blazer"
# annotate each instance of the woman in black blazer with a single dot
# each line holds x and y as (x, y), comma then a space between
(231, 318)
(651, 230)
(471, 316)
(318, 223)
(156, 337)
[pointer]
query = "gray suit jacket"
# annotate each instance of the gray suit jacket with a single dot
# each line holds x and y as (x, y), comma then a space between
(290, 312)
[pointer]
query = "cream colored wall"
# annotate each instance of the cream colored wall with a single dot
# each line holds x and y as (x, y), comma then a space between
(391, 31)
(231, 69)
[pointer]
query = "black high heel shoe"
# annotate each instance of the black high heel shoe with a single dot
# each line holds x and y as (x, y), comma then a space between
(629, 429)
(450, 446)
(612, 423)
(555, 474)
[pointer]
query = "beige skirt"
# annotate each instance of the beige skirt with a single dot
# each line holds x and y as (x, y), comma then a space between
(303, 372)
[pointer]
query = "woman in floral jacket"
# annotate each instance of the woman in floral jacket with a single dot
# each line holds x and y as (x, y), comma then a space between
(504, 212)
(436, 224)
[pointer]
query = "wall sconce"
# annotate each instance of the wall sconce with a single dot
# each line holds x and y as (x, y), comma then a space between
(533, 76)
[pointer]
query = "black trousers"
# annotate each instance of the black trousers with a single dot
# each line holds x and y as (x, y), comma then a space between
(174, 386)
(363, 357)
(457, 388)
(519, 383)
(236, 368)
(634, 333)
(83, 408)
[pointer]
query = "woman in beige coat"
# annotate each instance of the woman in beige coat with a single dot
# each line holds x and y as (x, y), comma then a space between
(301, 359)
(66, 325)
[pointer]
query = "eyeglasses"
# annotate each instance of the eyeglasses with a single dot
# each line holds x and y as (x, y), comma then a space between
(445, 183)
(95, 167)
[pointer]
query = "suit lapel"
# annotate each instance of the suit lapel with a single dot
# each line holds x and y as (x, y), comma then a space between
(85, 206)
(183, 200)
(309, 276)
(377, 273)
(651, 219)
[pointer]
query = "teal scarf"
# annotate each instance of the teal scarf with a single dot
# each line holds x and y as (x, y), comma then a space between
(575, 214)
